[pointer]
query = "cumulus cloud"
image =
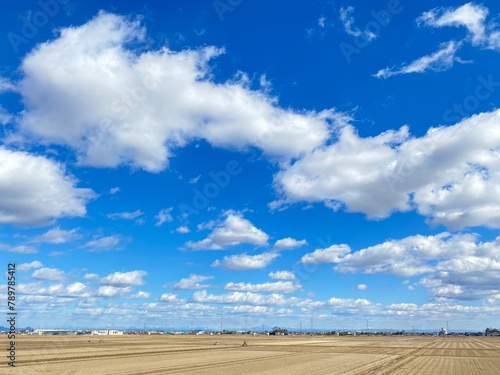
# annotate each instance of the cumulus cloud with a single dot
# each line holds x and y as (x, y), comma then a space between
(124, 279)
(20, 249)
(48, 274)
(116, 106)
(27, 266)
(442, 59)
(274, 287)
(183, 229)
(164, 216)
(244, 262)
(192, 282)
(140, 295)
(168, 297)
(282, 275)
(233, 230)
(450, 174)
(239, 298)
(103, 243)
(37, 190)
(362, 287)
(110, 291)
(333, 254)
(289, 243)
(57, 236)
(453, 266)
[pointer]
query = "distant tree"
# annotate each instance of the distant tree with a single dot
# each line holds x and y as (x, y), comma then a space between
(279, 331)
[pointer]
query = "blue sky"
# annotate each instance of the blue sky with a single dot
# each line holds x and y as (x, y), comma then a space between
(182, 162)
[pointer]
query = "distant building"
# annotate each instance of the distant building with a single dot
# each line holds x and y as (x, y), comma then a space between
(54, 332)
(102, 332)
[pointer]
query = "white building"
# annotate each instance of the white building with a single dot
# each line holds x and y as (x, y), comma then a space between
(102, 332)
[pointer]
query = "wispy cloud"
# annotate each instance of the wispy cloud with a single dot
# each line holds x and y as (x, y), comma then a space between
(164, 216)
(438, 61)
(348, 22)
(126, 215)
(470, 16)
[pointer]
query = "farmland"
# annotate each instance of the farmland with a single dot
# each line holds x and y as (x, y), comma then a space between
(267, 355)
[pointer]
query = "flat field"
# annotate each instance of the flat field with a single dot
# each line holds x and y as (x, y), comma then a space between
(264, 355)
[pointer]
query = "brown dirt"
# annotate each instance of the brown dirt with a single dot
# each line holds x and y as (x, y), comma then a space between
(297, 355)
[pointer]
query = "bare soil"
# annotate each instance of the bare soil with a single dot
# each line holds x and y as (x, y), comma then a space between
(264, 355)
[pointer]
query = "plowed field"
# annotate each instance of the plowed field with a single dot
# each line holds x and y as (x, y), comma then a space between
(264, 355)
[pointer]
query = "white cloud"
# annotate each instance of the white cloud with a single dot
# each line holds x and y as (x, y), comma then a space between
(472, 16)
(192, 282)
(37, 190)
(348, 22)
(450, 174)
(126, 215)
(333, 254)
(123, 279)
(351, 304)
(168, 297)
(362, 287)
(239, 298)
(116, 106)
(77, 289)
(103, 243)
(164, 216)
(140, 295)
(110, 291)
(5, 117)
(233, 230)
(194, 180)
(20, 249)
(91, 276)
(438, 61)
(6, 85)
(243, 262)
(321, 21)
(454, 266)
(289, 243)
(275, 287)
(114, 190)
(57, 236)
(282, 275)
(48, 274)
(182, 229)
(27, 266)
